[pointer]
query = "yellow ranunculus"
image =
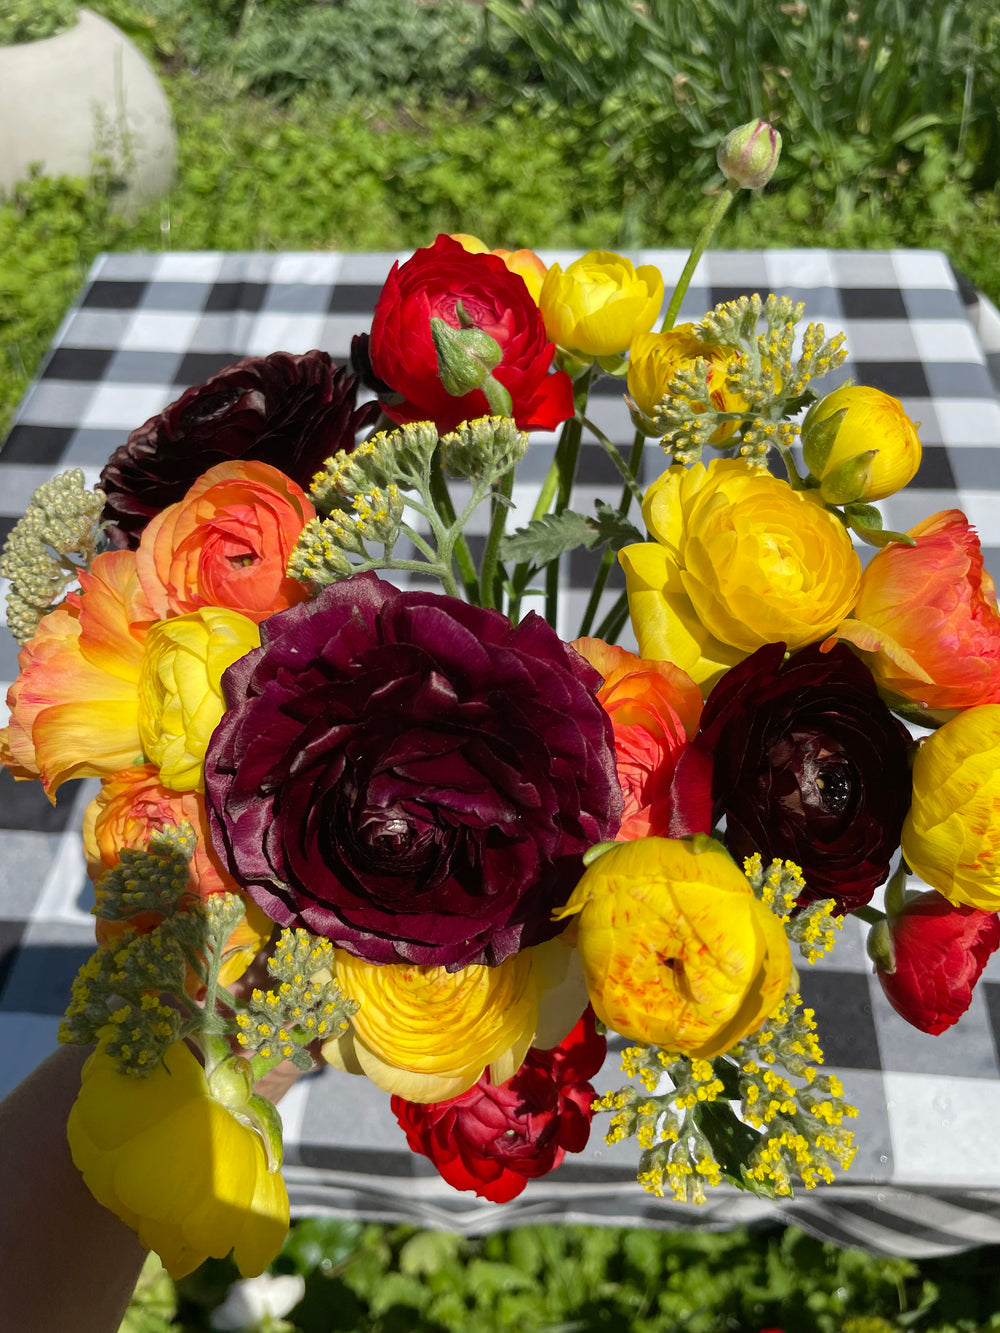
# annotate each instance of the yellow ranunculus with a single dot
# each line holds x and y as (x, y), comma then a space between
(180, 689)
(600, 304)
(676, 949)
(426, 1033)
(655, 358)
(951, 836)
(874, 453)
(740, 560)
(174, 1163)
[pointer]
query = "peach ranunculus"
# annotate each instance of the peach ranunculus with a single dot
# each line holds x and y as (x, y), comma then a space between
(227, 543)
(654, 709)
(740, 559)
(74, 708)
(676, 949)
(926, 619)
(525, 263)
(180, 689)
(130, 806)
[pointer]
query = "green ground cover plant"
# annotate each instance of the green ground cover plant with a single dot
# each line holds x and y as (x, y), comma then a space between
(574, 1279)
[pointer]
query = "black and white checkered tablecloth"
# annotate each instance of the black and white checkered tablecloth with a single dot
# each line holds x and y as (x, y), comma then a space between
(927, 1176)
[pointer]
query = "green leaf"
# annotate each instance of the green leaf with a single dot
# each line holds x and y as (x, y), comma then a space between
(428, 1252)
(545, 539)
(613, 529)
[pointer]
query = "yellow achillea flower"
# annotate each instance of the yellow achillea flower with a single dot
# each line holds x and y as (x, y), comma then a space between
(676, 949)
(176, 1165)
(427, 1033)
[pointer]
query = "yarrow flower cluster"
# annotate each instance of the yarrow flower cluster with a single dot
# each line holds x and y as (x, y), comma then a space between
(413, 833)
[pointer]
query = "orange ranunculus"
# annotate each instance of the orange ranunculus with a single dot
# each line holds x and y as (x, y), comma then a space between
(75, 704)
(129, 807)
(227, 544)
(525, 263)
(926, 619)
(654, 709)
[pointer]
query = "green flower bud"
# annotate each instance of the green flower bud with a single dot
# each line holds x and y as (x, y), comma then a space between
(749, 154)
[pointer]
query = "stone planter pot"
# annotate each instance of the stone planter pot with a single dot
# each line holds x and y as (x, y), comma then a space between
(84, 92)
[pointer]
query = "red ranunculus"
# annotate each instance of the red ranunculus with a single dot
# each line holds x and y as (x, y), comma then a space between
(936, 953)
(494, 1139)
(809, 765)
(292, 412)
(402, 354)
(414, 778)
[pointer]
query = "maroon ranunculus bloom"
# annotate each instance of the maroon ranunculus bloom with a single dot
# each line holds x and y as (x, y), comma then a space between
(290, 411)
(495, 1138)
(809, 765)
(936, 954)
(401, 350)
(414, 778)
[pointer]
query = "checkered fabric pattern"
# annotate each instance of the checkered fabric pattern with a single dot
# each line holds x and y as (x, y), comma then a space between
(927, 1176)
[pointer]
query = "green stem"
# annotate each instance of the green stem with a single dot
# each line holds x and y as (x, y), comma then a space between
(624, 505)
(697, 250)
(895, 891)
(628, 477)
(567, 457)
(794, 480)
(870, 914)
(498, 521)
(459, 546)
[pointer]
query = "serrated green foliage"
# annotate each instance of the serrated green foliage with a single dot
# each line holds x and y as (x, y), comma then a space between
(544, 539)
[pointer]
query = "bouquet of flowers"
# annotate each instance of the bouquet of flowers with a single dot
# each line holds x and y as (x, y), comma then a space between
(360, 806)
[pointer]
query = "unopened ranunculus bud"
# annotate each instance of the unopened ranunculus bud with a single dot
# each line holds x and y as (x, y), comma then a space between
(467, 357)
(749, 154)
(860, 445)
(929, 957)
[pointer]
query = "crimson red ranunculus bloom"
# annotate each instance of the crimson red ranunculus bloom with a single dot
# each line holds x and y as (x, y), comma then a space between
(809, 765)
(938, 954)
(401, 350)
(493, 1139)
(414, 778)
(290, 411)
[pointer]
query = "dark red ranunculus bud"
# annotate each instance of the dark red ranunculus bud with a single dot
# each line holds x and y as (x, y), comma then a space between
(809, 766)
(290, 411)
(493, 1139)
(929, 957)
(415, 778)
(402, 354)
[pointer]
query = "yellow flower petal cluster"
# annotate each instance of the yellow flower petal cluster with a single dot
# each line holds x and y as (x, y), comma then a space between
(740, 560)
(427, 1033)
(600, 303)
(951, 836)
(676, 949)
(655, 358)
(176, 1165)
(180, 689)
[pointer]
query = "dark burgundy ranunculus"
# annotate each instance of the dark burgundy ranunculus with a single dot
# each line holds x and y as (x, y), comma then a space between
(413, 777)
(495, 1138)
(932, 958)
(809, 765)
(401, 351)
(290, 411)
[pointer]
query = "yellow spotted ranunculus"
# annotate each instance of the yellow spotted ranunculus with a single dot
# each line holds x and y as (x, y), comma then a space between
(600, 303)
(180, 689)
(740, 560)
(655, 358)
(951, 836)
(874, 452)
(676, 949)
(175, 1164)
(427, 1033)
